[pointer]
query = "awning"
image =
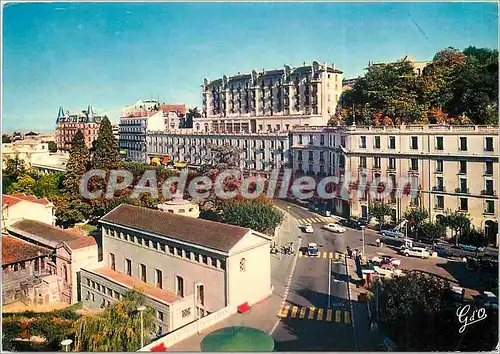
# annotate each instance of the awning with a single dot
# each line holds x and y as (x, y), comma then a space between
(155, 160)
(180, 164)
(166, 159)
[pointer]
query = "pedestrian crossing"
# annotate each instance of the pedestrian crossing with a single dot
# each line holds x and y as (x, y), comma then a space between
(323, 255)
(315, 314)
(317, 220)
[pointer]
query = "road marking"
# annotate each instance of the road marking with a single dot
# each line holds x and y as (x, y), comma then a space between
(284, 311)
(337, 316)
(300, 254)
(311, 313)
(302, 312)
(294, 311)
(336, 255)
(347, 317)
(324, 254)
(330, 255)
(329, 315)
(320, 315)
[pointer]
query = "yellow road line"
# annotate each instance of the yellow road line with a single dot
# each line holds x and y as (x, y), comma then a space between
(330, 255)
(336, 255)
(311, 313)
(320, 315)
(295, 309)
(302, 312)
(324, 254)
(300, 254)
(329, 315)
(284, 311)
(337, 316)
(347, 317)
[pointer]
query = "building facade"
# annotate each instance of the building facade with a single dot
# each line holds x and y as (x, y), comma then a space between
(187, 267)
(15, 207)
(259, 152)
(67, 124)
(418, 66)
(453, 167)
(270, 100)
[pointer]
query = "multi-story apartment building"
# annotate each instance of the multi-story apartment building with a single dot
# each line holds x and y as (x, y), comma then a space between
(418, 66)
(452, 167)
(270, 100)
(260, 152)
(186, 267)
(67, 125)
(141, 118)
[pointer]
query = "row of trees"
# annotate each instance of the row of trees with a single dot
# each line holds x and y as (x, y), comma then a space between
(420, 227)
(457, 87)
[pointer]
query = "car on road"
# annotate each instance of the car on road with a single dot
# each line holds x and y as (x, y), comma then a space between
(312, 250)
(352, 223)
(334, 227)
(415, 252)
(471, 248)
(443, 252)
(302, 202)
(386, 259)
(308, 228)
(490, 300)
(392, 233)
(320, 209)
(387, 270)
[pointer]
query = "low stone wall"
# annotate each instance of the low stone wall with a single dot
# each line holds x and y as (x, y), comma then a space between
(185, 332)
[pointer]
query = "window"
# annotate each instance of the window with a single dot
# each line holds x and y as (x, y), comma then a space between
(392, 163)
(88, 282)
(489, 143)
(128, 267)
(392, 142)
(463, 143)
(414, 164)
(16, 267)
(160, 316)
(377, 142)
(201, 294)
(440, 184)
(362, 143)
(143, 273)
(463, 167)
(116, 294)
(376, 162)
(439, 165)
(65, 272)
(440, 202)
(311, 169)
(180, 286)
(112, 264)
(490, 207)
(300, 139)
(414, 142)
(464, 204)
(489, 187)
(110, 292)
(489, 168)
(186, 312)
(242, 265)
(322, 140)
(159, 279)
(36, 266)
(299, 157)
(93, 297)
(439, 143)
(311, 155)
(463, 185)
(311, 140)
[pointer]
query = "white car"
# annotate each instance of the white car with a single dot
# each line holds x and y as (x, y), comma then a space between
(386, 259)
(312, 250)
(387, 270)
(415, 252)
(308, 228)
(334, 228)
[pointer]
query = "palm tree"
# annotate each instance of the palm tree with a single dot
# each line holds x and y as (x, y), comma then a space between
(192, 113)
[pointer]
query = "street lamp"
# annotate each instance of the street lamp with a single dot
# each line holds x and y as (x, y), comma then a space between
(141, 310)
(66, 344)
(363, 233)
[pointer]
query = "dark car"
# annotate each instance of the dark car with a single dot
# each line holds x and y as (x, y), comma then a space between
(443, 252)
(353, 224)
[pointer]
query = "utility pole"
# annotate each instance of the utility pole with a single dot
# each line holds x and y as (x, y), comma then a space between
(329, 280)
(363, 233)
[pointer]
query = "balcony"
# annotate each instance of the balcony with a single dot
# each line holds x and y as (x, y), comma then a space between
(488, 192)
(413, 171)
(462, 190)
(438, 171)
(489, 212)
(439, 189)
(439, 207)
(488, 173)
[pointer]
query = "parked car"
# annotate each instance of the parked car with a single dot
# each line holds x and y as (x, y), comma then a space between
(352, 223)
(392, 233)
(308, 228)
(415, 252)
(320, 209)
(334, 227)
(312, 250)
(471, 248)
(385, 259)
(302, 202)
(443, 252)
(490, 300)
(387, 270)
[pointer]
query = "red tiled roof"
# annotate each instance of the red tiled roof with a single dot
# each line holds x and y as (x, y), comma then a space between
(16, 250)
(206, 233)
(17, 197)
(181, 108)
(132, 283)
(82, 241)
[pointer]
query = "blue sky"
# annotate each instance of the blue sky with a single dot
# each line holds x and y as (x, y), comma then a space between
(111, 54)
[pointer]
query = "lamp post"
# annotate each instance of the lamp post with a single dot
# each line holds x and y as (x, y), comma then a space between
(141, 310)
(66, 344)
(363, 234)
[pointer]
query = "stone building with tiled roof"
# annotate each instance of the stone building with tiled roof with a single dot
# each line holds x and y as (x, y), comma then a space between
(187, 267)
(67, 124)
(15, 207)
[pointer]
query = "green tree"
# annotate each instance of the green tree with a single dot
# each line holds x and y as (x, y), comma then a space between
(48, 185)
(14, 167)
(106, 156)
(379, 211)
(254, 214)
(459, 222)
(52, 146)
(116, 328)
(432, 231)
(415, 218)
(6, 139)
(192, 113)
(24, 184)
(77, 165)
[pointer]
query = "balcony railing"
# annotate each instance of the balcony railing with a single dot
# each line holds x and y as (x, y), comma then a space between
(439, 207)
(488, 192)
(462, 190)
(439, 189)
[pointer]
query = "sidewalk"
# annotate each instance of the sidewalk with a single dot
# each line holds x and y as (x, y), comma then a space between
(263, 315)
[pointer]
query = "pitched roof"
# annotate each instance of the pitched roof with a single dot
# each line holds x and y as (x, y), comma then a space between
(18, 197)
(16, 250)
(181, 108)
(196, 231)
(49, 235)
(132, 283)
